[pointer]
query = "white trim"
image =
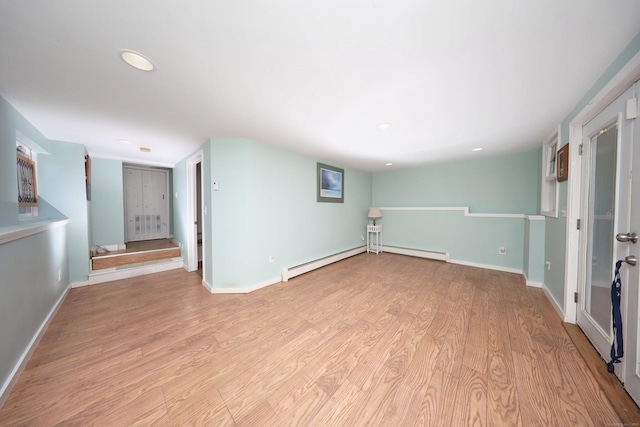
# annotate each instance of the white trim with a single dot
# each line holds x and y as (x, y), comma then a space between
(548, 182)
(26, 354)
(488, 266)
(464, 209)
(207, 285)
(119, 273)
(612, 90)
(420, 253)
(288, 273)
(533, 284)
(130, 160)
(79, 284)
(8, 234)
(192, 241)
(246, 289)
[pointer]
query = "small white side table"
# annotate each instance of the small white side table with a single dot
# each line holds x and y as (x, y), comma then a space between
(374, 238)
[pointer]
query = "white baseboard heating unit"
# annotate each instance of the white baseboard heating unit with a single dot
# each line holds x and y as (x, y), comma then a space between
(291, 272)
(420, 253)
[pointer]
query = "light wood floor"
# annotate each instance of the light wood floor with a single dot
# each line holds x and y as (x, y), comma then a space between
(373, 340)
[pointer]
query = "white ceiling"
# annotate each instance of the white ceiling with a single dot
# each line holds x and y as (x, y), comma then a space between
(313, 77)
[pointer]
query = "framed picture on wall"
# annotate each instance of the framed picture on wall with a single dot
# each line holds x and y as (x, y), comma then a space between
(563, 163)
(330, 184)
(87, 175)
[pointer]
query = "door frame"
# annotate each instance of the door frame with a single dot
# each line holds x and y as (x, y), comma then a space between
(192, 215)
(609, 93)
(167, 202)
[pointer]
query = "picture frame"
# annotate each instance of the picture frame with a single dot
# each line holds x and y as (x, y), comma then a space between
(87, 175)
(330, 186)
(563, 164)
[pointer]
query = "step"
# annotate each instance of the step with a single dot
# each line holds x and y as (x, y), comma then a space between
(120, 259)
(133, 270)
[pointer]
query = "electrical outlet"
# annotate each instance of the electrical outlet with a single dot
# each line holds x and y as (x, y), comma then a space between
(271, 259)
(502, 250)
(548, 264)
(362, 237)
(59, 274)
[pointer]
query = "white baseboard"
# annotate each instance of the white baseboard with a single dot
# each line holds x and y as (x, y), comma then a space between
(555, 305)
(488, 267)
(79, 284)
(26, 355)
(533, 284)
(440, 256)
(207, 285)
(243, 290)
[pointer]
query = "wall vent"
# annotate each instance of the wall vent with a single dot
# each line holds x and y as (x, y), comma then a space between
(147, 225)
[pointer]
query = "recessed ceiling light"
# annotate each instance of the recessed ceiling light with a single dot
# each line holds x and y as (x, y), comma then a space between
(125, 141)
(477, 149)
(145, 149)
(137, 60)
(388, 164)
(384, 126)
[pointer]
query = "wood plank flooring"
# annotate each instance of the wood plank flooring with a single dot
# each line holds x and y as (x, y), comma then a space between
(372, 340)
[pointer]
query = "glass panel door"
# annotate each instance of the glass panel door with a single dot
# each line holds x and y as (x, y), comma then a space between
(601, 215)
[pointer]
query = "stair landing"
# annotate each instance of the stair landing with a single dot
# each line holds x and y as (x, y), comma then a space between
(136, 253)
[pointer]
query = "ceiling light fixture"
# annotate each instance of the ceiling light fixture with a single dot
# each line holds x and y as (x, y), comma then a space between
(388, 164)
(125, 141)
(137, 60)
(477, 149)
(384, 126)
(145, 149)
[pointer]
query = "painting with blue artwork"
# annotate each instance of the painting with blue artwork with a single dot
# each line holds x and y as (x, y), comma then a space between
(330, 184)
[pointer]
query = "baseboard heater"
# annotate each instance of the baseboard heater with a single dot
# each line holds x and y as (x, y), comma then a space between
(420, 253)
(291, 272)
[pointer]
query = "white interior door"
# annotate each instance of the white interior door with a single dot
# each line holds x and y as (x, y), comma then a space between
(146, 203)
(606, 212)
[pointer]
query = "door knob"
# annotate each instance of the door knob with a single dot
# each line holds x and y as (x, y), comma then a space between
(631, 260)
(631, 237)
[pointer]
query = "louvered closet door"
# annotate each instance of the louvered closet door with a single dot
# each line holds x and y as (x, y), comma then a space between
(146, 203)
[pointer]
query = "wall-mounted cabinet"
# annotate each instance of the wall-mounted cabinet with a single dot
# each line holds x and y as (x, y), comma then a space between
(549, 190)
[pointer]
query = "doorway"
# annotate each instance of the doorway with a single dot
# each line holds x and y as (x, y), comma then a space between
(608, 217)
(196, 212)
(146, 203)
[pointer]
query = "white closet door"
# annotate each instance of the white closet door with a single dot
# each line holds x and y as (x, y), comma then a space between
(146, 203)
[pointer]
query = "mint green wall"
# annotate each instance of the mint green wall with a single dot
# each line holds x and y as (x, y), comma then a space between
(107, 202)
(495, 185)
(29, 289)
(61, 182)
(30, 286)
(556, 228)
(8, 183)
(11, 124)
(266, 206)
(534, 248)
(180, 205)
(504, 184)
(468, 239)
